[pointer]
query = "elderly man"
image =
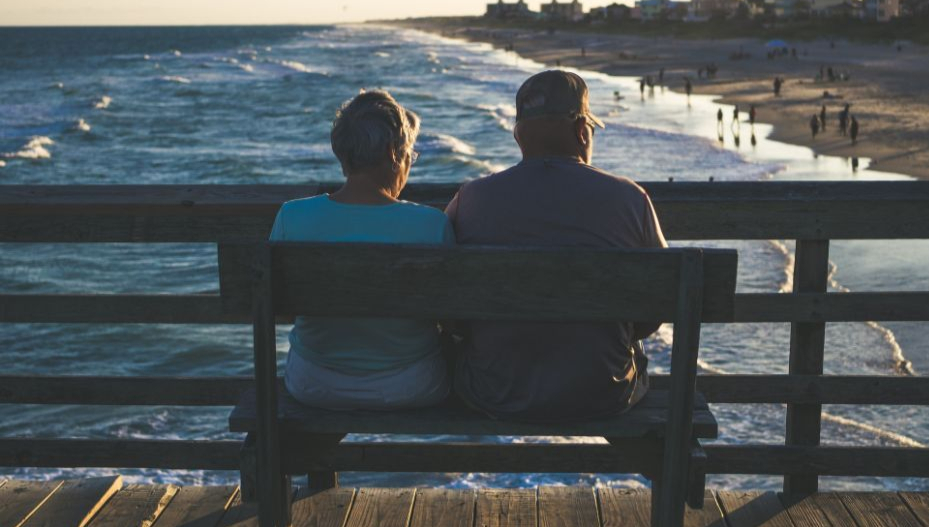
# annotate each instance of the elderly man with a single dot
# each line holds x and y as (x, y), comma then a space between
(553, 197)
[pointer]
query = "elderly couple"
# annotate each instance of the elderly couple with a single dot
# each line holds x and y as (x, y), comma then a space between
(553, 197)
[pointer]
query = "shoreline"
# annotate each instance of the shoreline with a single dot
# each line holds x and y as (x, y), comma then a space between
(888, 90)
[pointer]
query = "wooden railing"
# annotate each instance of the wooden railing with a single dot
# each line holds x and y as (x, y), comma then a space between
(812, 213)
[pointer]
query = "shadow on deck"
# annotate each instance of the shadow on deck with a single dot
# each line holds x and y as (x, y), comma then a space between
(106, 501)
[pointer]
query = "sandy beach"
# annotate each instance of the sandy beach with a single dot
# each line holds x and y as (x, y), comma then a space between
(888, 89)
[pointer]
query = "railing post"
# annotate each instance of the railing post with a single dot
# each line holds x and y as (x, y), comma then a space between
(807, 340)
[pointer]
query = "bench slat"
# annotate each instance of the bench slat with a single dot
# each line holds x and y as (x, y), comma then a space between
(647, 417)
(475, 283)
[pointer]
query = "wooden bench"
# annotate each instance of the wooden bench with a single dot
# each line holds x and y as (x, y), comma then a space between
(658, 438)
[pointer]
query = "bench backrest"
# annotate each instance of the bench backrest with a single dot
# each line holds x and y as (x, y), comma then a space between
(475, 283)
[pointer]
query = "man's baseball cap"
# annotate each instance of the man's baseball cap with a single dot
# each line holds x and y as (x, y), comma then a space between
(554, 93)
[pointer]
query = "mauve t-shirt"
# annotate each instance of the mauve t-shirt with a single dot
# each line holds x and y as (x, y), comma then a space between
(552, 371)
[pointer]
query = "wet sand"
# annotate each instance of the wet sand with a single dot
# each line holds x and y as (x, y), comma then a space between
(888, 89)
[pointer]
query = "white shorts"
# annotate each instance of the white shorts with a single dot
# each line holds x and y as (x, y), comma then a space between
(423, 383)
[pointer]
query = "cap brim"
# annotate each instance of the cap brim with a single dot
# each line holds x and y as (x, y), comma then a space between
(595, 120)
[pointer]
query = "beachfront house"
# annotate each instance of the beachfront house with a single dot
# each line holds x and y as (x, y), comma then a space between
(837, 8)
(567, 12)
(881, 10)
(505, 10)
(706, 9)
(611, 13)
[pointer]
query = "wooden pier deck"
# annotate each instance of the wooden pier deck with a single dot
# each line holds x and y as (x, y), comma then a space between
(107, 501)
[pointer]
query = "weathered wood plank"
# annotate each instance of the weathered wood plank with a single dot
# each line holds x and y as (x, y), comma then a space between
(240, 514)
(918, 502)
(197, 507)
(443, 508)
(329, 508)
(506, 508)
(76, 502)
(381, 508)
(567, 507)
(226, 391)
(827, 461)
(21, 499)
(753, 509)
(115, 308)
(463, 282)
(807, 342)
(832, 307)
(823, 509)
(822, 389)
(108, 453)
(207, 309)
(718, 210)
(143, 390)
(471, 457)
(879, 509)
(135, 505)
(625, 507)
(648, 416)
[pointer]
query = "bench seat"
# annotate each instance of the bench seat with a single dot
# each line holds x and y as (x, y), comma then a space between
(648, 418)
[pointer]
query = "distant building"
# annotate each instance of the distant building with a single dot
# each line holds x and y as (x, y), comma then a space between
(705, 9)
(837, 8)
(504, 10)
(611, 13)
(652, 9)
(881, 10)
(567, 12)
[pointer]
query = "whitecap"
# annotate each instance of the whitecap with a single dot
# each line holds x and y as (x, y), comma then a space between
(504, 114)
(34, 149)
(58, 85)
(294, 65)
(103, 103)
(433, 57)
(446, 143)
(176, 52)
(175, 78)
(2, 163)
(247, 67)
(81, 126)
(146, 57)
(382, 54)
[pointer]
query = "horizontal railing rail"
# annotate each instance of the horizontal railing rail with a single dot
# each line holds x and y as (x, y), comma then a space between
(688, 211)
(810, 212)
(225, 391)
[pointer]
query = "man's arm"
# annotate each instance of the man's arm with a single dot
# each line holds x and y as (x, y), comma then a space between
(651, 237)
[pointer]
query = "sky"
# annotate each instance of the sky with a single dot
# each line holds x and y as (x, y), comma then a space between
(196, 12)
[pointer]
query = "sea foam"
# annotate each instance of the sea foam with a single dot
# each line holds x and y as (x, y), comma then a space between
(103, 103)
(175, 79)
(34, 149)
(446, 143)
(81, 126)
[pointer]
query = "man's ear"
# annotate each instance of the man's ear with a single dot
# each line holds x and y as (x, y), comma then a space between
(581, 132)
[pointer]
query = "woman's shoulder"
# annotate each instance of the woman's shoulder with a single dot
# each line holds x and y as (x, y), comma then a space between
(420, 211)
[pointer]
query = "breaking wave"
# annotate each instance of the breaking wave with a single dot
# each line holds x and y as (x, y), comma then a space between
(103, 103)
(34, 149)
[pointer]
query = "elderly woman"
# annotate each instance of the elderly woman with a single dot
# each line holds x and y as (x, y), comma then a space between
(370, 363)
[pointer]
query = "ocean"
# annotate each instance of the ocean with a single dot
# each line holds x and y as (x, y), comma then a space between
(253, 105)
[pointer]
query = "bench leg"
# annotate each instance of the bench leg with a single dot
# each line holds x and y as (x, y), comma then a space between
(248, 469)
(320, 481)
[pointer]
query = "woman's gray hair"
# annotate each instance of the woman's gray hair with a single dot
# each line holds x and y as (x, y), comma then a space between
(369, 127)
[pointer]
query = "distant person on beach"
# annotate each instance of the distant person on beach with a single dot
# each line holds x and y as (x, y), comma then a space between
(853, 130)
(843, 120)
(822, 118)
(688, 87)
(719, 124)
(777, 86)
(751, 115)
(565, 371)
(366, 363)
(661, 76)
(814, 125)
(642, 86)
